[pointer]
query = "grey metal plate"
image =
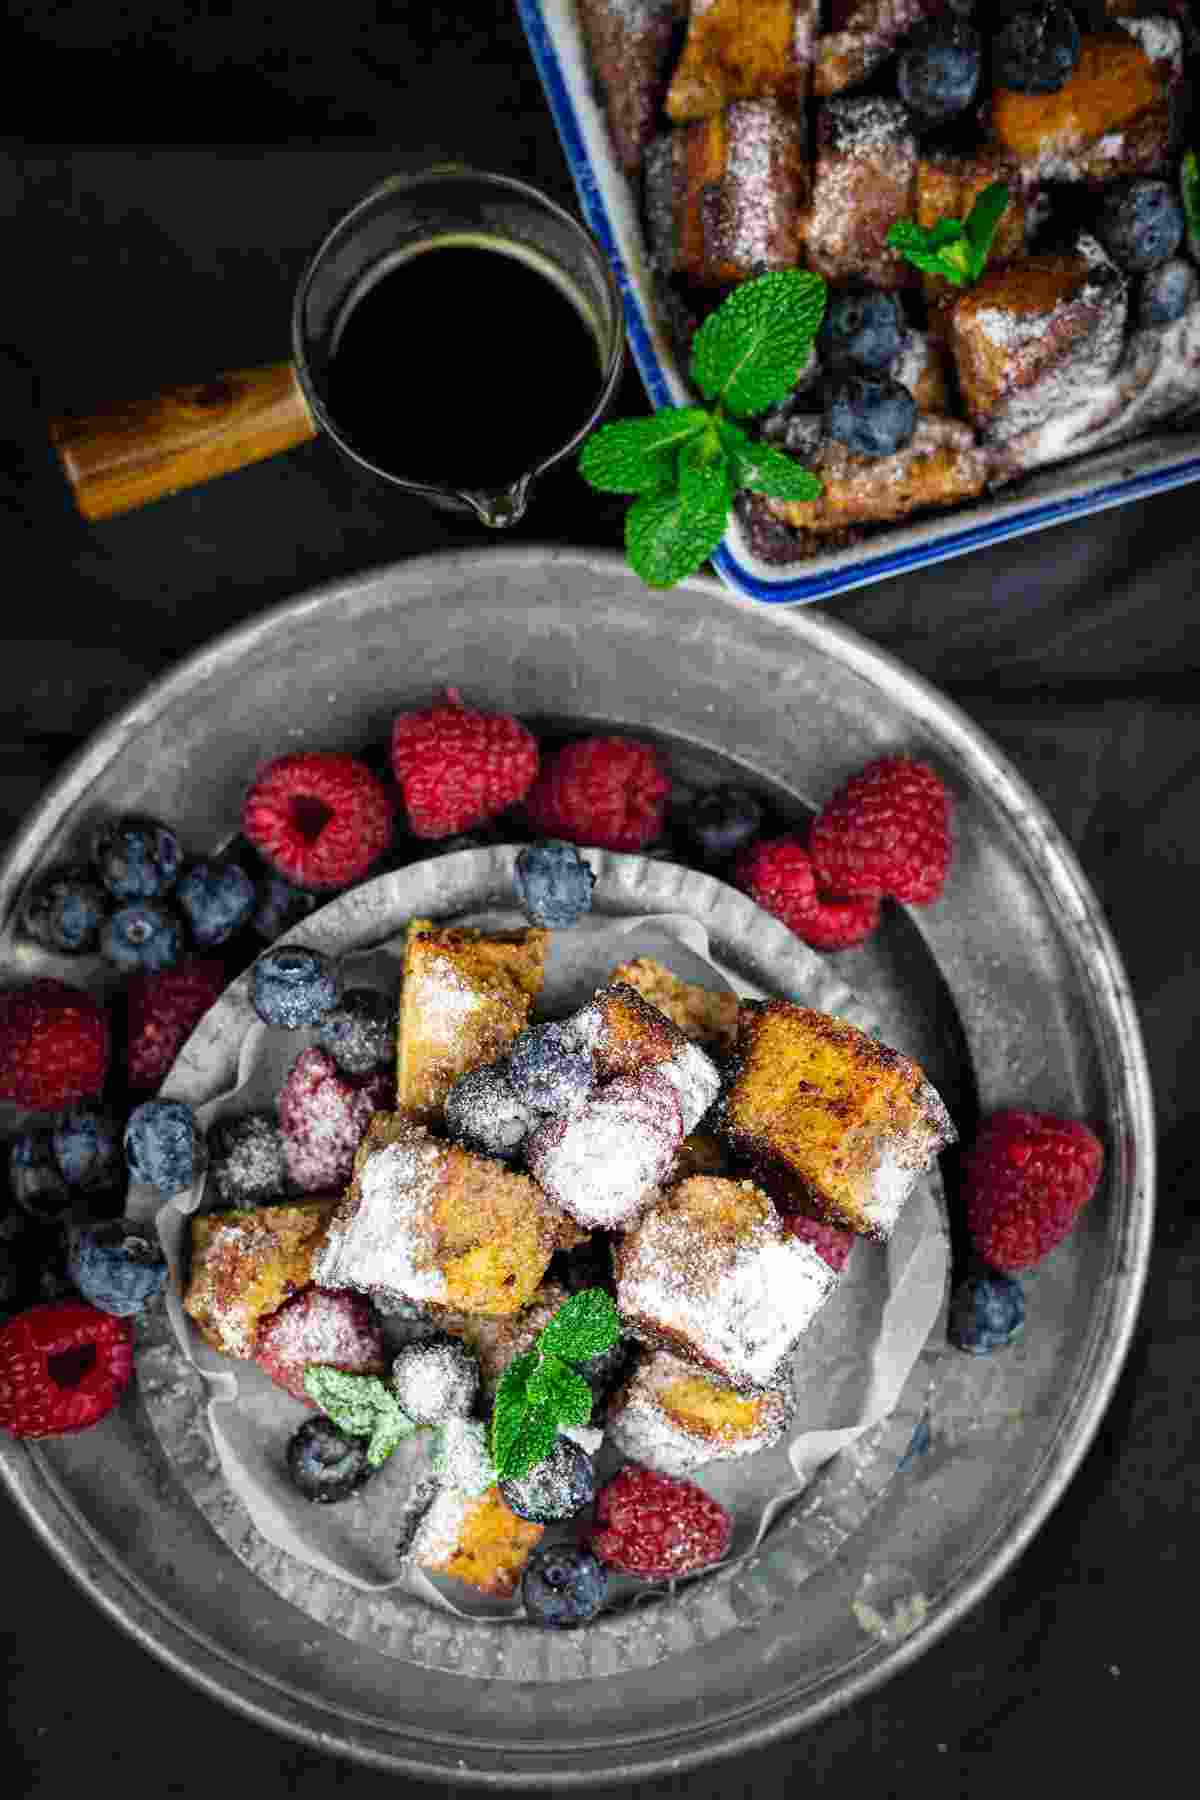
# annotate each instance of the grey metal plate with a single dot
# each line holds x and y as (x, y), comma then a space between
(1009, 990)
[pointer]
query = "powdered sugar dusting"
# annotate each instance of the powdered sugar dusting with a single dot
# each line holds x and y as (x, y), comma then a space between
(696, 1080)
(642, 1429)
(382, 1238)
(1160, 38)
(322, 1117)
(755, 204)
(602, 1164)
(334, 1330)
(441, 999)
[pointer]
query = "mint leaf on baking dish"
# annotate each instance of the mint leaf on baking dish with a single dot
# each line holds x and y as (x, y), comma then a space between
(765, 470)
(958, 249)
(749, 352)
(1189, 188)
(584, 1326)
(540, 1393)
(361, 1406)
(634, 456)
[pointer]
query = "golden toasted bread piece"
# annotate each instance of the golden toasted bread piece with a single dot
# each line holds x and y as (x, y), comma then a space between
(674, 1418)
(743, 50)
(860, 36)
(833, 1122)
(724, 195)
(864, 181)
(476, 1539)
(705, 1016)
(629, 48)
(465, 996)
(246, 1263)
(941, 466)
(926, 368)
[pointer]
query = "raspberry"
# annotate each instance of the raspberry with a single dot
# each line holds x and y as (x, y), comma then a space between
(778, 874)
(318, 1325)
(318, 817)
(607, 791)
(658, 1526)
(162, 1011)
(62, 1367)
(54, 1045)
(831, 1245)
(322, 1117)
(457, 767)
(886, 831)
(1027, 1178)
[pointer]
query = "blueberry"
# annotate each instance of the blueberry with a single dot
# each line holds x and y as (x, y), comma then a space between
(1141, 223)
(871, 414)
(557, 1488)
(862, 325)
(987, 1312)
(279, 907)
(603, 1371)
(324, 1464)
(549, 1069)
(117, 1267)
(246, 1159)
(564, 1585)
(722, 822)
(165, 1146)
(88, 1148)
(64, 911)
(143, 936)
(360, 1032)
(34, 1177)
(1167, 292)
(554, 883)
(136, 858)
(292, 987)
(217, 898)
(1035, 50)
(938, 73)
(484, 1113)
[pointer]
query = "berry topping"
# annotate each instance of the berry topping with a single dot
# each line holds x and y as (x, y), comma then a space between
(938, 73)
(563, 1585)
(658, 1526)
(1167, 292)
(135, 858)
(862, 325)
(987, 1312)
(318, 817)
(549, 1070)
(324, 1464)
(554, 883)
(116, 1267)
(1027, 1178)
(279, 907)
(457, 767)
(88, 1150)
(722, 822)
(143, 935)
(608, 791)
(54, 1045)
(555, 1489)
(34, 1177)
(217, 899)
(886, 831)
(830, 1243)
(246, 1160)
(778, 874)
(62, 1367)
(1141, 224)
(873, 415)
(291, 987)
(360, 1031)
(334, 1330)
(435, 1381)
(1035, 51)
(65, 910)
(485, 1113)
(322, 1117)
(165, 1146)
(162, 1011)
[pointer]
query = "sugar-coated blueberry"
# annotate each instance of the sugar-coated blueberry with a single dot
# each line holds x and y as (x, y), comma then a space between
(217, 899)
(483, 1112)
(1167, 292)
(116, 1267)
(549, 1069)
(1035, 51)
(557, 1488)
(360, 1031)
(554, 883)
(324, 1464)
(862, 325)
(164, 1145)
(292, 987)
(987, 1312)
(871, 414)
(136, 858)
(247, 1160)
(722, 822)
(1141, 224)
(435, 1380)
(564, 1585)
(64, 911)
(143, 936)
(938, 72)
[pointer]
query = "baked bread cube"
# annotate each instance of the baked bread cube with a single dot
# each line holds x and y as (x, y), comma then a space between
(476, 1539)
(672, 1417)
(724, 196)
(710, 1274)
(465, 996)
(942, 465)
(428, 1222)
(246, 1263)
(926, 368)
(834, 1123)
(495, 1342)
(604, 1163)
(1032, 338)
(626, 1035)
(629, 45)
(707, 1016)
(861, 35)
(864, 181)
(743, 50)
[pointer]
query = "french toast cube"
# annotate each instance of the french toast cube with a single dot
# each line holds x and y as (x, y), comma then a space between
(465, 996)
(495, 1341)
(723, 197)
(246, 1263)
(626, 1035)
(942, 465)
(475, 1539)
(708, 1016)
(864, 181)
(674, 1417)
(742, 50)
(834, 1123)
(860, 36)
(629, 45)
(926, 368)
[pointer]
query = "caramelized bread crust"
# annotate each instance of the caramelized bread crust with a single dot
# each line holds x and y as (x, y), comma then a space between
(941, 466)
(245, 1264)
(1112, 117)
(743, 50)
(629, 46)
(706, 1016)
(864, 181)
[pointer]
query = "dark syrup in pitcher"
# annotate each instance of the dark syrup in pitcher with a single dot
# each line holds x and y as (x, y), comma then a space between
(463, 366)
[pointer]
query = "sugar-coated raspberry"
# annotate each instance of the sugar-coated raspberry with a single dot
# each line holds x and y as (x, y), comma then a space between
(658, 1526)
(886, 831)
(457, 766)
(607, 791)
(62, 1368)
(54, 1045)
(319, 1325)
(319, 817)
(162, 1011)
(778, 874)
(322, 1117)
(1027, 1177)
(831, 1244)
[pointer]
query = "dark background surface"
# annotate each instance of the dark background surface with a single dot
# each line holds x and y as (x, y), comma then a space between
(161, 244)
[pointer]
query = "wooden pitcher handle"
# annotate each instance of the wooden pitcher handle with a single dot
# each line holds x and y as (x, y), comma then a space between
(127, 455)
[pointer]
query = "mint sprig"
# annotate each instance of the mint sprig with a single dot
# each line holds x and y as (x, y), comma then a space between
(540, 1392)
(685, 464)
(361, 1406)
(1189, 189)
(955, 248)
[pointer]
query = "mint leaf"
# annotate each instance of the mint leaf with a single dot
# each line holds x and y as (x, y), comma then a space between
(561, 1390)
(1189, 188)
(533, 1443)
(635, 456)
(956, 249)
(765, 470)
(583, 1326)
(668, 536)
(361, 1406)
(982, 223)
(749, 352)
(508, 1411)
